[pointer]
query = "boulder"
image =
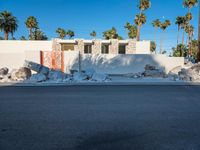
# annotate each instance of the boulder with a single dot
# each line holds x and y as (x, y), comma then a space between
(38, 78)
(149, 67)
(80, 76)
(21, 74)
(89, 72)
(99, 77)
(44, 70)
(32, 66)
(4, 71)
(154, 73)
(56, 75)
(189, 74)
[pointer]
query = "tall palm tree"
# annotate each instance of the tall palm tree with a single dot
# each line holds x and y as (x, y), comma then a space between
(183, 24)
(156, 24)
(164, 26)
(61, 32)
(70, 34)
(179, 22)
(189, 4)
(189, 29)
(8, 23)
(140, 19)
(132, 30)
(31, 23)
(93, 34)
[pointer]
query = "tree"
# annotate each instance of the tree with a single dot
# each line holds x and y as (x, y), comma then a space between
(180, 21)
(39, 35)
(110, 34)
(31, 23)
(140, 18)
(189, 4)
(22, 38)
(61, 32)
(132, 30)
(153, 46)
(8, 23)
(93, 34)
(70, 34)
(189, 29)
(180, 51)
(156, 24)
(164, 26)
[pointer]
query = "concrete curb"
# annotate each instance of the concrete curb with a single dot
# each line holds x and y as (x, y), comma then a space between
(101, 84)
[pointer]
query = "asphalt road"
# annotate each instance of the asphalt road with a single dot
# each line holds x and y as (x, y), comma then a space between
(100, 118)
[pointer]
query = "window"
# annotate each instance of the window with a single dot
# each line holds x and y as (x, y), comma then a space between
(105, 49)
(88, 49)
(66, 47)
(122, 49)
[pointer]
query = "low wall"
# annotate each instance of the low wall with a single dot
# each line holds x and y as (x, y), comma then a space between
(22, 46)
(109, 64)
(120, 64)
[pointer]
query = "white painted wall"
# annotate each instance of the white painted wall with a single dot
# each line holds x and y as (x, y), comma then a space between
(120, 64)
(143, 47)
(22, 46)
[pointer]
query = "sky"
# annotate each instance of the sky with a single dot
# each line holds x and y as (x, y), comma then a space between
(84, 16)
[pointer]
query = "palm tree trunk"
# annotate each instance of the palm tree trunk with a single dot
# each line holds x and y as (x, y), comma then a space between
(6, 35)
(155, 38)
(183, 37)
(178, 35)
(138, 33)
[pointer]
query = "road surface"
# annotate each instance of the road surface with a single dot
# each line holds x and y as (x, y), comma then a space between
(100, 118)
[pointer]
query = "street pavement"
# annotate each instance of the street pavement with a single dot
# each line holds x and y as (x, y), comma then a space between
(142, 117)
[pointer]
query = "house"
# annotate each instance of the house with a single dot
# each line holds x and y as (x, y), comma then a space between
(113, 46)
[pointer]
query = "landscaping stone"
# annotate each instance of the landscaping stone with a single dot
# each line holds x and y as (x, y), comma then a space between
(4, 71)
(38, 78)
(149, 67)
(20, 74)
(99, 77)
(56, 75)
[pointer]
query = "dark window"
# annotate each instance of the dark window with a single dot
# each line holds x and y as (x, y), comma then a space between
(66, 47)
(105, 49)
(122, 49)
(88, 49)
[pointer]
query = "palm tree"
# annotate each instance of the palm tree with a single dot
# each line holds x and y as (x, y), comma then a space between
(189, 4)
(93, 34)
(184, 23)
(179, 22)
(156, 24)
(39, 35)
(189, 29)
(164, 26)
(61, 32)
(132, 30)
(22, 38)
(140, 19)
(70, 34)
(8, 23)
(31, 23)
(110, 34)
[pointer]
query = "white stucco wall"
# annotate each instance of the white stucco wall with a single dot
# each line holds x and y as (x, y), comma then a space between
(143, 47)
(120, 64)
(22, 46)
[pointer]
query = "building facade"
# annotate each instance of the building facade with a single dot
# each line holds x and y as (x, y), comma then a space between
(113, 46)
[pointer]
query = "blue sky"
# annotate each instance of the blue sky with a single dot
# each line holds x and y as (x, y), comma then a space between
(83, 16)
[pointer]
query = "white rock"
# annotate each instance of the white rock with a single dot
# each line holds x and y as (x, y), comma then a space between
(99, 77)
(38, 78)
(79, 76)
(89, 72)
(56, 75)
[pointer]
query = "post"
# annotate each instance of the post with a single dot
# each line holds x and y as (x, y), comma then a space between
(79, 62)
